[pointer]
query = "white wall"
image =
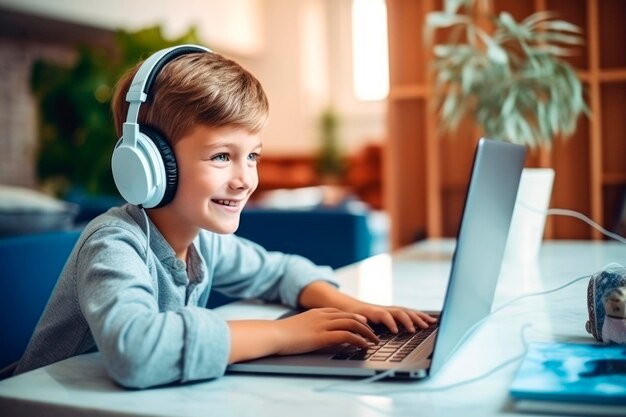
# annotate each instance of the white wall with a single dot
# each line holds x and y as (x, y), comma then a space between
(307, 65)
(294, 73)
(231, 25)
(299, 49)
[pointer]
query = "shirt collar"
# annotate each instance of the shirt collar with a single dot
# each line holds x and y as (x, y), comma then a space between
(158, 244)
(164, 251)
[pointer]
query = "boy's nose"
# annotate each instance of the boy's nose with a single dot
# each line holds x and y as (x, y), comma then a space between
(242, 178)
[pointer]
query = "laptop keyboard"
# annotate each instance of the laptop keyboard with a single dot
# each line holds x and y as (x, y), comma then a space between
(392, 347)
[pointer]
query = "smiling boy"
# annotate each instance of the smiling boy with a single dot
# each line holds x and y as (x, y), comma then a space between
(137, 282)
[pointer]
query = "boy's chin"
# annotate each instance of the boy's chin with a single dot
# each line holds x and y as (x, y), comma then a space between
(225, 229)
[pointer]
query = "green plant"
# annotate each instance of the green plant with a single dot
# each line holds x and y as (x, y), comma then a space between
(76, 132)
(330, 160)
(506, 75)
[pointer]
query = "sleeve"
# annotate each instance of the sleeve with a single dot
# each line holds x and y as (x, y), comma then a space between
(140, 345)
(245, 269)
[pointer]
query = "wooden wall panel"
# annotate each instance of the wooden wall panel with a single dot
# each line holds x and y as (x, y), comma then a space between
(572, 185)
(613, 100)
(406, 196)
(612, 14)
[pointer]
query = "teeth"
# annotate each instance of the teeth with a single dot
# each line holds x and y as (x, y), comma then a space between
(230, 203)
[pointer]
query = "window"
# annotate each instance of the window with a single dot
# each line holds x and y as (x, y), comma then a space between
(369, 50)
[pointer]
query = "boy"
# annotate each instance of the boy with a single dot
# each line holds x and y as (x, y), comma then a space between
(135, 288)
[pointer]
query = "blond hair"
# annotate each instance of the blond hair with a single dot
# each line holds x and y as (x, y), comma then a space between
(196, 88)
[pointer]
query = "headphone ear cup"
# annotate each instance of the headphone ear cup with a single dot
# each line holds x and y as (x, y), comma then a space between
(169, 163)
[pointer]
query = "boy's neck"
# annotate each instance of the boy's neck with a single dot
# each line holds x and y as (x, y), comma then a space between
(176, 234)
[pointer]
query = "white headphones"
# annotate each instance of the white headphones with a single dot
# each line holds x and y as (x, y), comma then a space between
(143, 162)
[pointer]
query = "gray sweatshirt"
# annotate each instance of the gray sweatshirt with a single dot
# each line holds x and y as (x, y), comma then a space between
(144, 310)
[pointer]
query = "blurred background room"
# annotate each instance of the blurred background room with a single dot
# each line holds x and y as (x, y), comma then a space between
(354, 152)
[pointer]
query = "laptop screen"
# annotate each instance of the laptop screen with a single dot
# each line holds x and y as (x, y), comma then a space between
(481, 240)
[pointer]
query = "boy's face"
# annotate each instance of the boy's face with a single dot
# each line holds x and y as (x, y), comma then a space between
(217, 173)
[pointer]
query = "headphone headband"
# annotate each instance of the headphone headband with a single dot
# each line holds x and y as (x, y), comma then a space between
(143, 80)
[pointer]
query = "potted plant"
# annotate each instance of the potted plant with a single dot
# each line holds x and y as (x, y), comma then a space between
(330, 161)
(510, 79)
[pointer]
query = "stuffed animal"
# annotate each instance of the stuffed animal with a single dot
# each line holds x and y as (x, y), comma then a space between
(614, 327)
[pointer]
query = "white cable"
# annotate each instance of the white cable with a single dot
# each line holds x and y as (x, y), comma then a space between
(575, 214)
(145, 216)
(534, 294)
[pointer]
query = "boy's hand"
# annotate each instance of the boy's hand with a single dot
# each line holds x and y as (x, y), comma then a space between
(390, 316)
(321, 327)
(322, 294)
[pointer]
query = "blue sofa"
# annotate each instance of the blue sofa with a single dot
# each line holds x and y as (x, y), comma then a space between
(333, 237)
(32, 263)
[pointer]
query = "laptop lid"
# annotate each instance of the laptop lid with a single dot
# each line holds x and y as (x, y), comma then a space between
(481, 240)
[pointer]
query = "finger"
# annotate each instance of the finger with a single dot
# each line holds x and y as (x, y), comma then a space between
(339, 314)
(426, 317)
(387, 319)
(404, 318)
(355, 327)
(328, 310)
(361, 318)
(343, 336)
(343, 315)
(366, 331)
(418, 319)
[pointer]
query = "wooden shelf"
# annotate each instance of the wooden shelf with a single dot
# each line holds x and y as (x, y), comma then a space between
(614, 178)
(613, 75)
(605, 75)
(408, 92)
(425, 175)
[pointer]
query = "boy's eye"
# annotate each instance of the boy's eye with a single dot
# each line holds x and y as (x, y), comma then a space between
(221, 157)
(254, 157)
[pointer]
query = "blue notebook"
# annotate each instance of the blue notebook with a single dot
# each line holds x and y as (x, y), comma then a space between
(572, 378)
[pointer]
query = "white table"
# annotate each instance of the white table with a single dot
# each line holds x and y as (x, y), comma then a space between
(413, 277)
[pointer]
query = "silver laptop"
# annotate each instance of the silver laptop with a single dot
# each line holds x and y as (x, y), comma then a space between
(475, 269)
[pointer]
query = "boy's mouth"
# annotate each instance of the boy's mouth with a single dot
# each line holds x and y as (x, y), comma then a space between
(229, 203)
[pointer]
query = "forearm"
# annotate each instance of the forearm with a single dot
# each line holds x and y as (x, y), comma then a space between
(251, 339)
(157, 349)
(322, 294)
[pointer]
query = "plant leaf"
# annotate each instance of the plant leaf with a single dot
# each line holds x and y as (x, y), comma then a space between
(537, 17)
(494, 51)
(440, 20)
(467, 78)
(561, 26)
(509, 103)
(552, 50)
(497, 54)
(559, 38)
(508, 22)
